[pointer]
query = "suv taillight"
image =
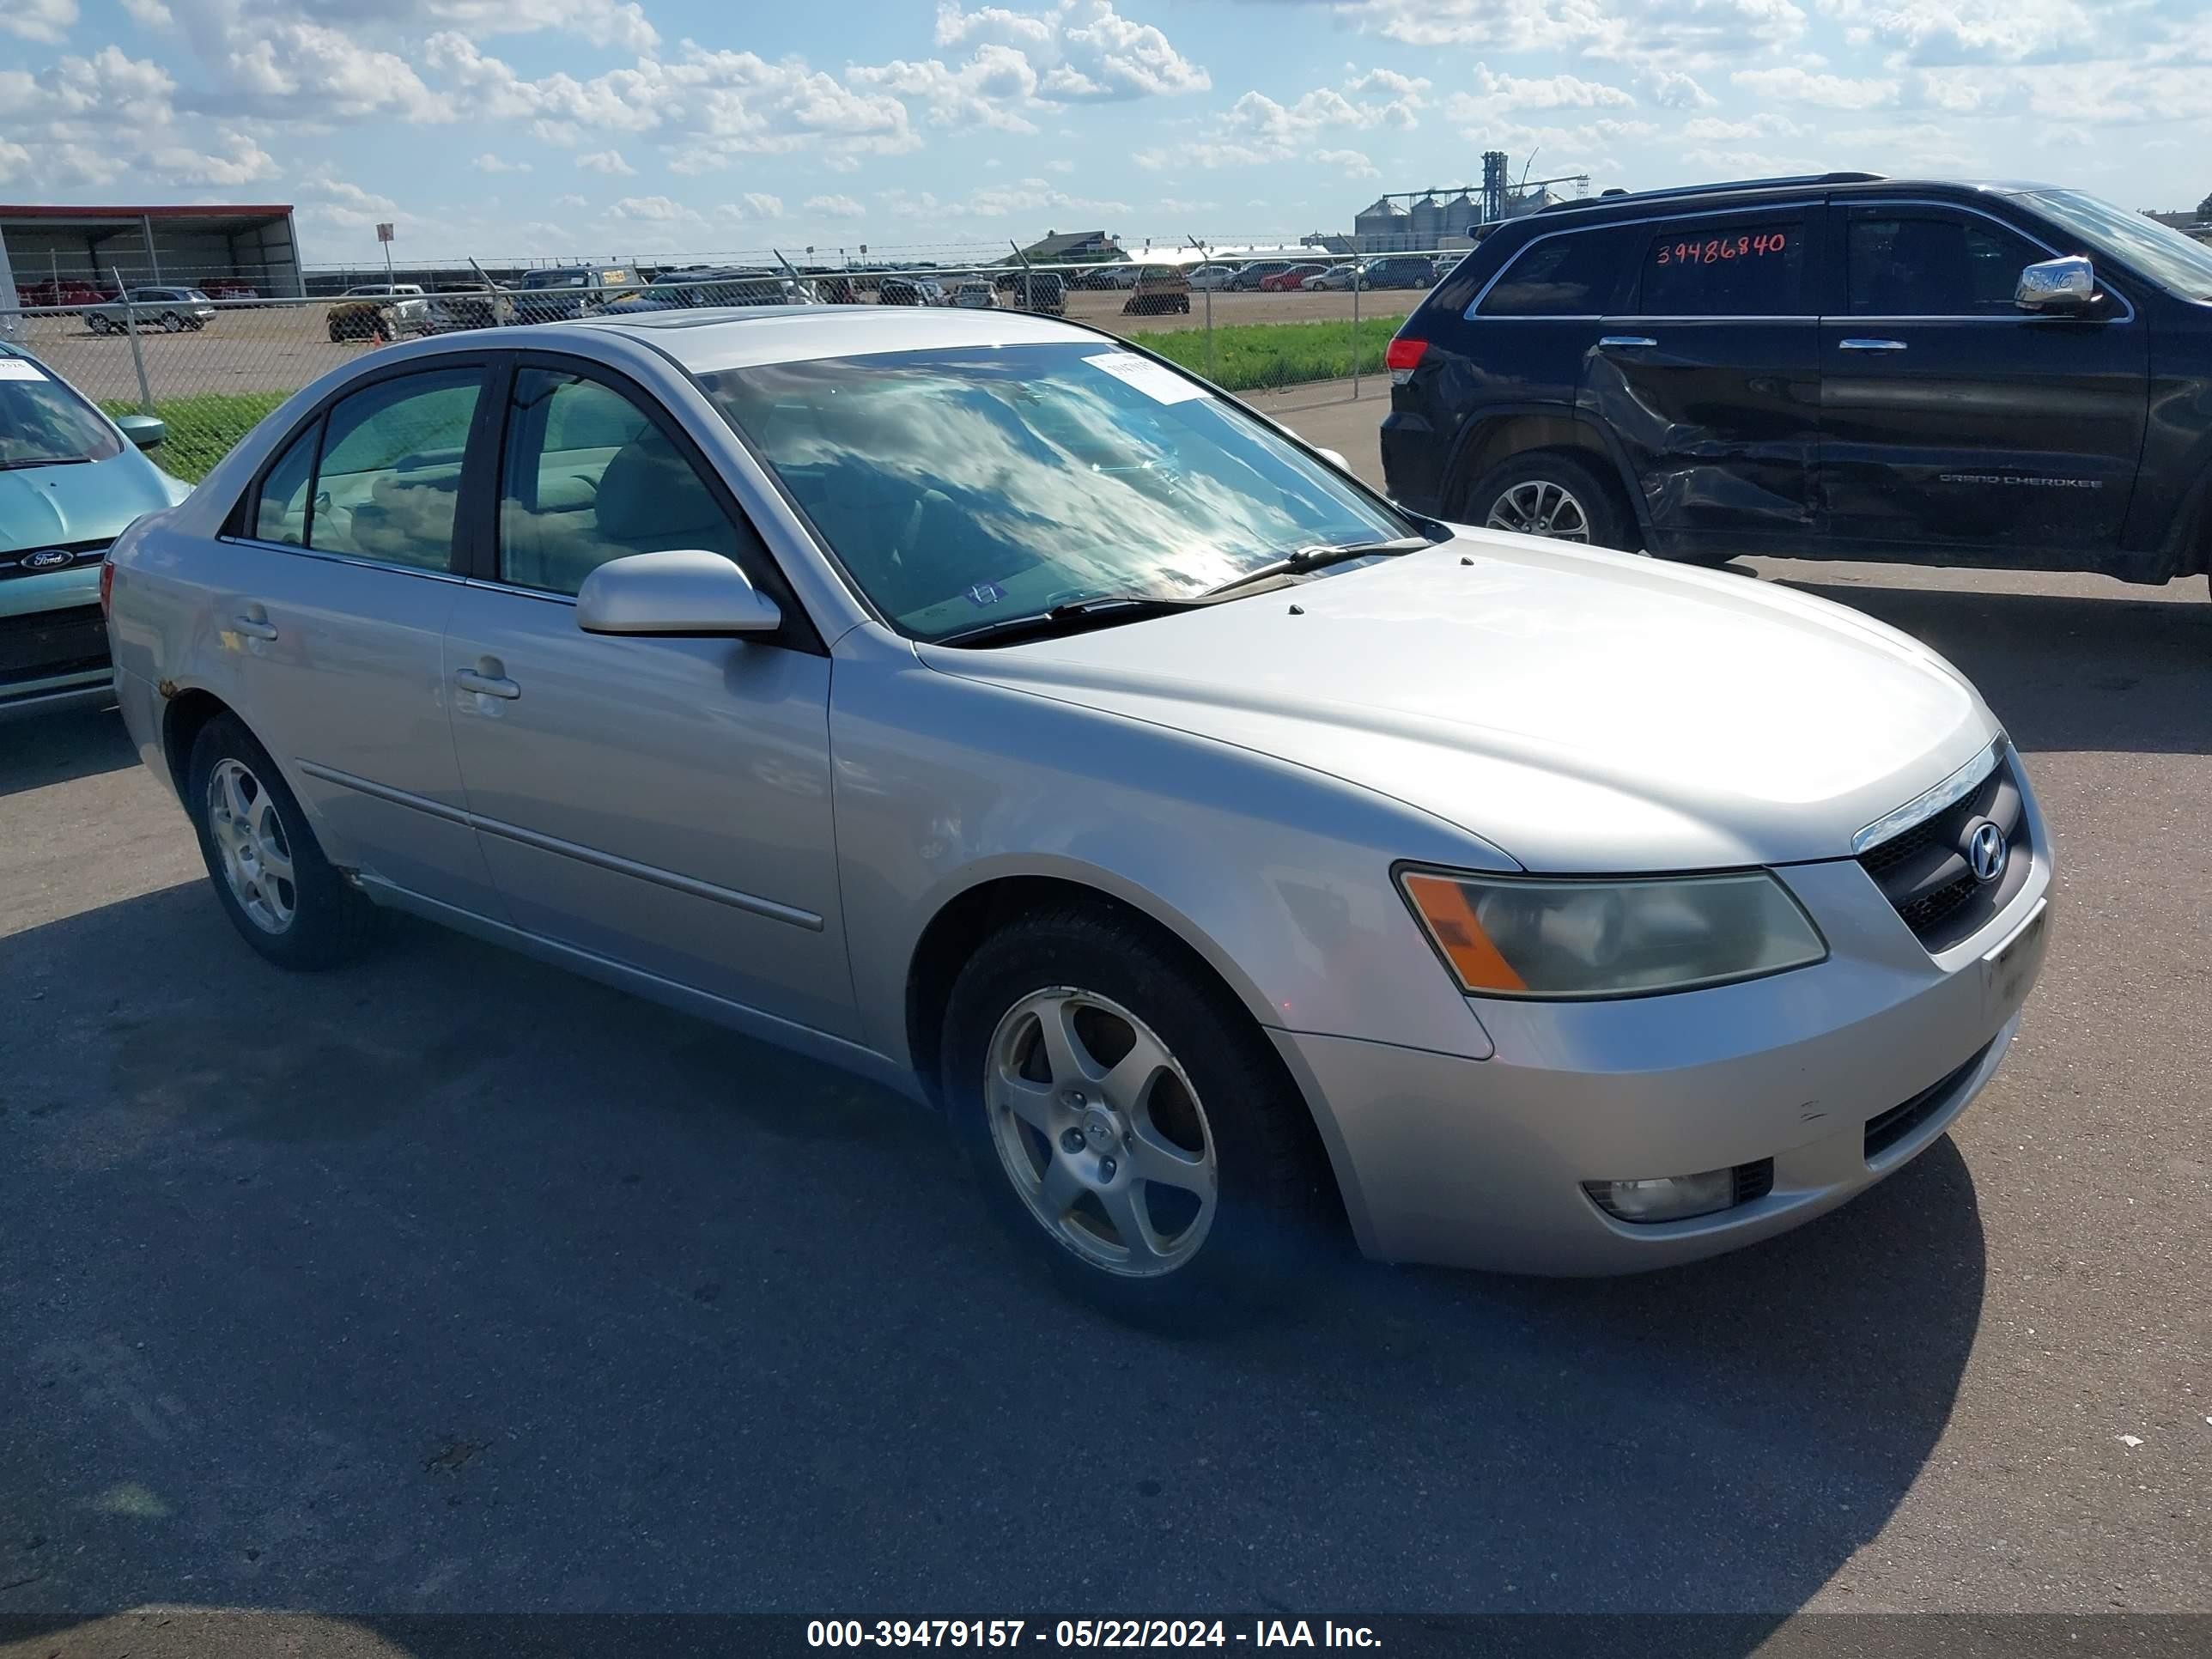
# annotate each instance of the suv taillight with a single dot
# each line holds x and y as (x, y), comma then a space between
(107, 586)
(1404, 355)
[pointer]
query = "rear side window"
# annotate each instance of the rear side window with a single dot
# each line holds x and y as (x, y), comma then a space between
(1703, 269)
(1932, 264)
(1574, 275)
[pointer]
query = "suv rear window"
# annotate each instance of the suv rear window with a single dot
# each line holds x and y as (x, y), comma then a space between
(1754, 268)
(1573, 275)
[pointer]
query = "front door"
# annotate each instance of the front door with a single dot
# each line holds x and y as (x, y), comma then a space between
(662, 804)
(337, 586)
(1951, 418)
(1712, 380)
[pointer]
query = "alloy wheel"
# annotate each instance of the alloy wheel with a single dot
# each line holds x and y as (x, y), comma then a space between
(249, 835)
(1097, 1126)
(1539, 508)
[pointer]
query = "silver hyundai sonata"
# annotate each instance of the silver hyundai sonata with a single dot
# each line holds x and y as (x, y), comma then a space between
(969, 699)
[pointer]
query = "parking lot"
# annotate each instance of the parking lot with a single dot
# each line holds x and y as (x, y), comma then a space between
(449, 1282)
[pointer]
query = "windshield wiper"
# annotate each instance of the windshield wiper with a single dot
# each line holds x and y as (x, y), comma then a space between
(1076, 617)
(49, 460)
(1312, 558)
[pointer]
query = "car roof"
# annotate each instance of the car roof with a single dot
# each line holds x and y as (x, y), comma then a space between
(711, 338)
(1692, 197)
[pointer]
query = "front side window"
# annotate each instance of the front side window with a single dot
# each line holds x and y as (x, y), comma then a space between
(43, 424)
(960, 485)
(1574, 275)
(1928, 263)
(1702, 268)
(589, 478)
(389, 477)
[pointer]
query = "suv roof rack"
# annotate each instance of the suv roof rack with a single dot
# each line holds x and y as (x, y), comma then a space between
(1786, 182)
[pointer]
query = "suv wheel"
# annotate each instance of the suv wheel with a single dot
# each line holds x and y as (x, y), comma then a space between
(1554, 494)
(1127, 1120)
(280, 892)
(171, 322)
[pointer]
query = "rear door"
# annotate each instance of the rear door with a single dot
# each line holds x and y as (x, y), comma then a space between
(1953, 420)
(659, 802)
(333, 589)
(1710, 377)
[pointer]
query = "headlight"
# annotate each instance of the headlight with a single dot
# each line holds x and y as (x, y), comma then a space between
(1520, 936)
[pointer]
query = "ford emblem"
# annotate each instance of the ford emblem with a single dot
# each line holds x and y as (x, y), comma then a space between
(48, 558)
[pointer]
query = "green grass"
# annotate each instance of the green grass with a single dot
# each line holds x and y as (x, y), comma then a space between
(202, 429)
(1253, 355)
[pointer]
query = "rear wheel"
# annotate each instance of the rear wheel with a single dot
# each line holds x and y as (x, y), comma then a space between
(284, 896)
(1128, 1122)
(1554, 494)
(99, 325)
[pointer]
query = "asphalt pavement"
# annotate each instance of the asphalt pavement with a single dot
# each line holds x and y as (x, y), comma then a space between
(449, 1282)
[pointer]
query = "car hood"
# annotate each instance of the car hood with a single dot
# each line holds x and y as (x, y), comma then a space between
(85, 501)
(1579, 710)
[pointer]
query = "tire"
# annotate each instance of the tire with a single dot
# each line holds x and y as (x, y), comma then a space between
(1554, 487)
(246, 815)
(172, 324)
(100, 324)
(1244, 1209)
(337, 334)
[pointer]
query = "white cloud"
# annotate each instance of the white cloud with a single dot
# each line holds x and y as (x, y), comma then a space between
(1982, 31)
(239, 161)
(489, 163)
(606, 161)
(1354, 163)
(655, 210)
(1257, 128)
(571, 200)
(835, 206)
(759, 204)
(49, 21)
(990, 89)
(1673, 89)
(149, 14)
(1793, 85)
(1548, 91)
(15, 161)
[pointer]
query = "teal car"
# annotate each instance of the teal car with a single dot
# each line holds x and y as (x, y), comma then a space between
(70, 480)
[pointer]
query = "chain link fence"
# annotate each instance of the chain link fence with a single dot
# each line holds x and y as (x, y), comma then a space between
(210, 367)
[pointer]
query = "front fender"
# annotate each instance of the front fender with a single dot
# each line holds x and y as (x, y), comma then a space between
(1277, 876)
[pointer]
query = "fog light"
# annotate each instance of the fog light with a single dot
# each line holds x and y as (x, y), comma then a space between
(1665, 1198)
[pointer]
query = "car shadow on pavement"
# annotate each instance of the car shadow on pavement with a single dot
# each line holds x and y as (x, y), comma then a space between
(48, 748)
(450, 1283)
(2064, 671)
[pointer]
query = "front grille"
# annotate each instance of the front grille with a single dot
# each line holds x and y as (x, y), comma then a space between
(1923, 872)
(47, 642)
(81, 554)
(1892, 1125)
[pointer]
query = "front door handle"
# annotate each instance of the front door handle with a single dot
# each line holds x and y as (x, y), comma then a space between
(491, 685)
(1626, 342)
(1870, 345)
(253, 622)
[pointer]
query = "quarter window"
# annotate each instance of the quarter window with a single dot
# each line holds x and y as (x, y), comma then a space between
(1753, 268)
(287, 491)
(389, 474)
(589, 477)
(1932, 265)
(1569, 275)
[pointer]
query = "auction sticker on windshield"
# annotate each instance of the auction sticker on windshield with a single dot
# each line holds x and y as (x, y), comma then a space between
(1156, 380)
(17, 368)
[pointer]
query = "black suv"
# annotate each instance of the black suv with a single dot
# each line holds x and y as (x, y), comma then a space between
(1845, 366)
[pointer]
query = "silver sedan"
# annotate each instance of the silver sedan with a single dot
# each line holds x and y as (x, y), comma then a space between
(974, 702)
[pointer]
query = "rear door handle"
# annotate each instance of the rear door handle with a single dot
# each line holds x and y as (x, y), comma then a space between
(1626, 342)
(253, 622)
(1870, 345)
(491, 685)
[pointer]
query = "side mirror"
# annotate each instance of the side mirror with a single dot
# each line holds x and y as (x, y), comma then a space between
(679, 594)
(2059, 286)
(143, 430)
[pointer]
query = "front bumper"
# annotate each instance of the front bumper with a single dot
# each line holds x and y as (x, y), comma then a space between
(1481, 1164)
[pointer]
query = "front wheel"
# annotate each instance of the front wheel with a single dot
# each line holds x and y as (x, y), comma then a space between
(1555, 494)
(1128, 1120)
(284, 896)
(171, 322)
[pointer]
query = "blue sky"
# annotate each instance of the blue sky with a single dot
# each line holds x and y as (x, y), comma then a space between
(654, 128)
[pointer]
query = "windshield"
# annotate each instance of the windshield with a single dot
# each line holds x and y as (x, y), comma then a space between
(2155, 251)
(956, 486)
(43, 422)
